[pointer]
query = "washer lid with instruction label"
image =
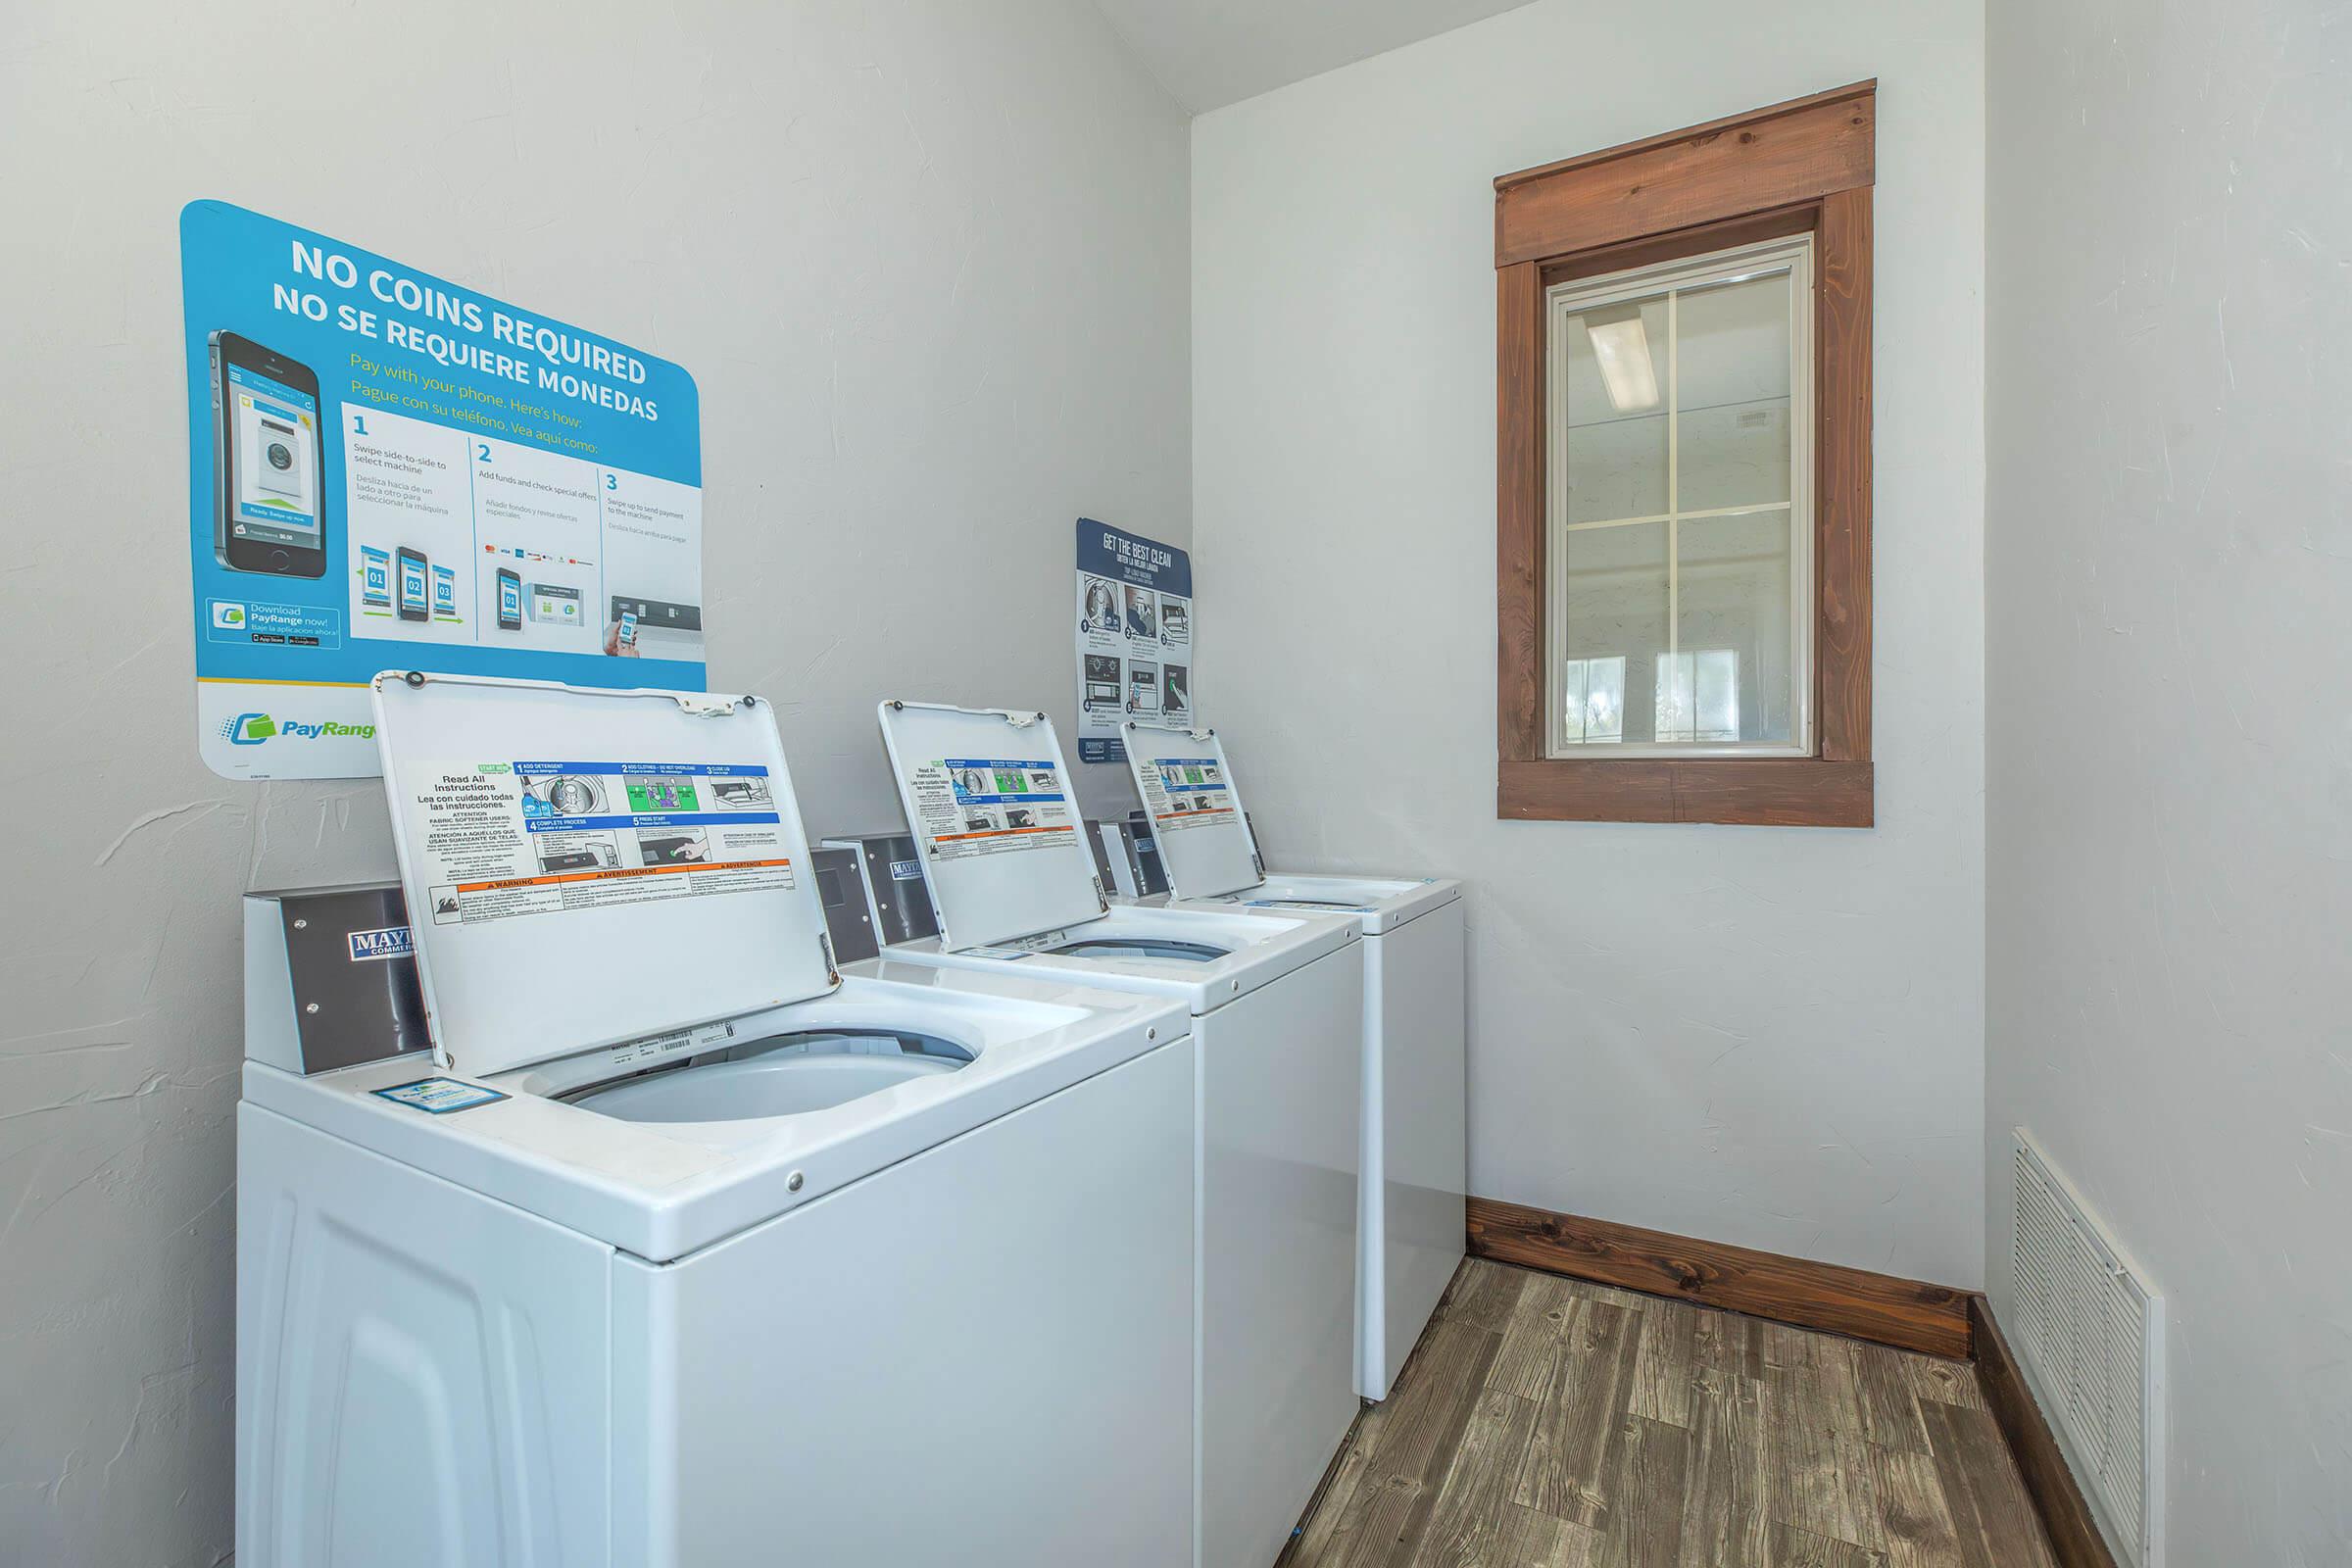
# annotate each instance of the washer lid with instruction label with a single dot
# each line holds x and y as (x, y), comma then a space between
(1206, 846)
(586, 867)
(996, 821)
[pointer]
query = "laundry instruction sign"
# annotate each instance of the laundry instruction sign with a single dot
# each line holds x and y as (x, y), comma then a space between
(388, 470)
(1134, 637)
(499, 840)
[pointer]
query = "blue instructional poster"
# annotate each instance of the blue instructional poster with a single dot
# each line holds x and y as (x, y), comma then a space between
(1134, 637)
(388, 470)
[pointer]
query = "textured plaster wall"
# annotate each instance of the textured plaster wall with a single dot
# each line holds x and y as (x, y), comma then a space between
(928, 265)
(2169, 810)
(1770, 1037)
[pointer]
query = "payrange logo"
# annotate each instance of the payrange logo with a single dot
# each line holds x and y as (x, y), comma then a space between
(251, 729)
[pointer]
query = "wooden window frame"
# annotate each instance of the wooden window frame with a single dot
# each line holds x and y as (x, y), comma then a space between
(1803, 166)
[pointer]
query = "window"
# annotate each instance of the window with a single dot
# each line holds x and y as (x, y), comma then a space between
(1684, 499)
(1679, 501)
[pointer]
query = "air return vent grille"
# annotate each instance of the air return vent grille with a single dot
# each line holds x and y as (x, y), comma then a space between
(2090, 1333)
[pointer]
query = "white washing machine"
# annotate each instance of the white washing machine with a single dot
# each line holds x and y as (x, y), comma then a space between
(679, 1248)
(1415, 1156)
(1276, 1003)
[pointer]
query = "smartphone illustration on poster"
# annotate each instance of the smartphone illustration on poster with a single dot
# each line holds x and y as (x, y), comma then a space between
(413, 605)
(628, 635)
(376, 578)
(268, 508)
(510, 600)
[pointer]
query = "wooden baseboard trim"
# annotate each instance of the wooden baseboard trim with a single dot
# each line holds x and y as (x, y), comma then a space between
(1909, 1314)
(2066, 1517)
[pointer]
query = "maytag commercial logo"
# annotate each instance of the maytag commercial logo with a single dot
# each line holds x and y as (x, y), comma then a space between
(387, 942)
(251, 729)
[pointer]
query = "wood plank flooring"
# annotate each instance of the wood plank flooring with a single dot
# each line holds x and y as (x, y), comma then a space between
(1548, 1423)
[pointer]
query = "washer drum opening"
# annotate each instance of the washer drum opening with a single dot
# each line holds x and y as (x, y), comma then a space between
(783, 1075)
(1140, 948)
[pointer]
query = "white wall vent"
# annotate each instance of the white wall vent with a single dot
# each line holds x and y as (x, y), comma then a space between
(2089, 1331)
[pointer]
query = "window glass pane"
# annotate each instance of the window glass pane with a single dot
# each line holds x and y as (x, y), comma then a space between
(1593, 701)
(1671, 719)
(1616, 610)
(1570, 694)
(1617, 378)
(1734, 595)
(1697, 696)
(1715, 694)
(1732, 353)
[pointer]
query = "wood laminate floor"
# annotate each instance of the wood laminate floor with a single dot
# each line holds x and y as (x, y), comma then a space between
(1548, 1423)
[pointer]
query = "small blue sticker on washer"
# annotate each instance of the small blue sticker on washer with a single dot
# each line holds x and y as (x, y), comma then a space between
(440, 1096)
(905, 870)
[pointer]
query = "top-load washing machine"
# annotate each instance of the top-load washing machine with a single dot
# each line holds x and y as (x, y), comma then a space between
(1276, 1001)
(680, 1248)
(1414, 1119)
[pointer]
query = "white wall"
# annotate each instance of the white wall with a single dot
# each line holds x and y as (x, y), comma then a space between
(2168, 815)
(929, 265)
(1762, 1036)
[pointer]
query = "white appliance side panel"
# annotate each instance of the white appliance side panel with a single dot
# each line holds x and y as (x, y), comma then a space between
(1188, 790)
(421, 1369)
(1111, 836)
(271, 1032)
(1281, 1075)
(982, 1354)
(1417, 1159)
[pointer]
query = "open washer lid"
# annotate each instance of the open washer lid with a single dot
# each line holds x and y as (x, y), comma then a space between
(1206, 844)
(659, 885)
(988, 795)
